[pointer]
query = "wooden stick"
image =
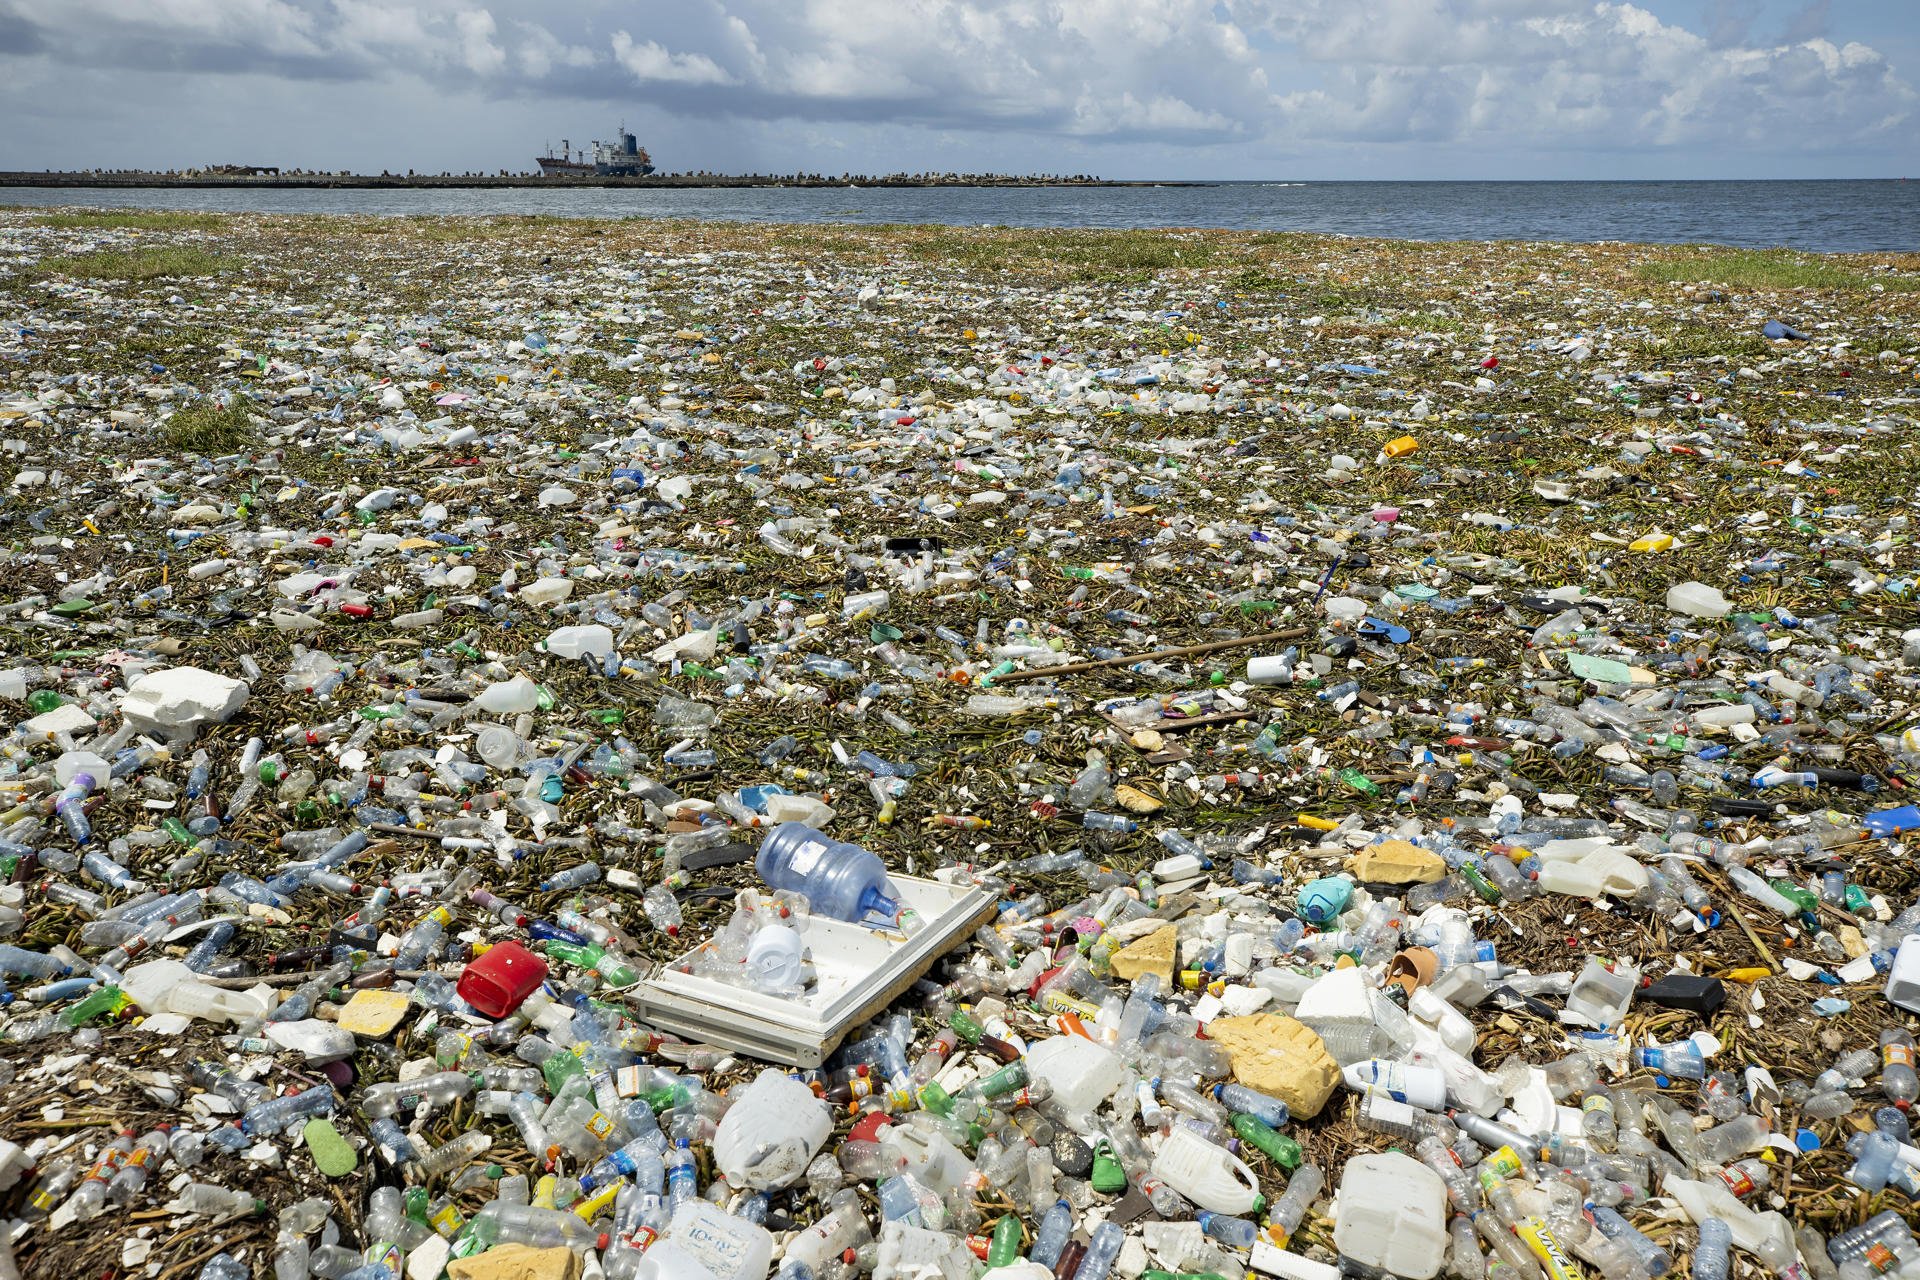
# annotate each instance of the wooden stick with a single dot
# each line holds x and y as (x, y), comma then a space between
(1183, 651)
(1740, 919)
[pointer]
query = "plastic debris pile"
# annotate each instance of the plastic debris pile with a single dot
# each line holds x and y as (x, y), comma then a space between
(1309, 756)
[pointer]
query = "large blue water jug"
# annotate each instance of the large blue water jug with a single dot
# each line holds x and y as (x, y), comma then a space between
(841, 880)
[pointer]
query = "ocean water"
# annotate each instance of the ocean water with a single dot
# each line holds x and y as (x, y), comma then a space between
(1828, 216)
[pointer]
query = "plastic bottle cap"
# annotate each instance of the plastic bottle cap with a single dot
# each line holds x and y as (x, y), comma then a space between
(1807, 1140)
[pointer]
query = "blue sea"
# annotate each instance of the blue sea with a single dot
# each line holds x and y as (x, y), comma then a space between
(1829, 216)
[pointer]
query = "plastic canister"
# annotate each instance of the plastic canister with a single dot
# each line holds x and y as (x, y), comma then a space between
(1211, 1176)
(728, 1247)
(770, 1132)
(665, 1260)
(1392, 1214)
(1081, 1073)
(500, 978)
(1600, 996)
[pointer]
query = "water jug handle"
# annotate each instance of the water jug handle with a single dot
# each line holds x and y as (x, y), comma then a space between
(1251, 1178)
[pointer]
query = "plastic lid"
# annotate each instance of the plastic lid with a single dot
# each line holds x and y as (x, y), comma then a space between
(1807, 1140)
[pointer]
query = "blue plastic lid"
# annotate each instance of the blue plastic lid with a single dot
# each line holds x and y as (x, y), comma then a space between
(1807, 1140)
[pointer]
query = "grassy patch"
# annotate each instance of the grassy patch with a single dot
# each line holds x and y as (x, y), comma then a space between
(210, 428)
(132, 220)
(156, 263)
(1765, 269)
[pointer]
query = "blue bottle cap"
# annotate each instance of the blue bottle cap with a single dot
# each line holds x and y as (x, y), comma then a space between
(1807, 1140)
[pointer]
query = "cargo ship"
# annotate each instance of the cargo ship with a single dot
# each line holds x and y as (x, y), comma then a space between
(624, 157)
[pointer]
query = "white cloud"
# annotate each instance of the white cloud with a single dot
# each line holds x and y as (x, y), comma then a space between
(1288, 77)
(648, 60)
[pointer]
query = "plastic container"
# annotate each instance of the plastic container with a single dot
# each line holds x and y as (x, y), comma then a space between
(840, 880)
(1211, 1176)
(770, 1132)
(496, 981)
(1392, 1214)
(1081, 1073)
(1600, 996)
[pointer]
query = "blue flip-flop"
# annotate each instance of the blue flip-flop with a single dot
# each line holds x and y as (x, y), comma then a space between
(1375, 629)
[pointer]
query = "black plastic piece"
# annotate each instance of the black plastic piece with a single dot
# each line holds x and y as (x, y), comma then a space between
(1691, 991)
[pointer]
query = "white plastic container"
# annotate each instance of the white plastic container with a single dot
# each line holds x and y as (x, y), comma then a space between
(198, 1000)
(914, 1253)
(1600, 997)
(1454, 1028)
(730, 1248)
(1903, 979)
(859, 972)
(1271, 669)
(544, 591)
(770, 1132)
(572, 642)
(1423, 1087)
(1210, 1176)
(1392, 1214)
(1710, 1198)
(1697, 600)
(1081, 1074)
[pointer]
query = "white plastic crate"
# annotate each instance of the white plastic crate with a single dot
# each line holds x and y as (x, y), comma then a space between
(860, 973)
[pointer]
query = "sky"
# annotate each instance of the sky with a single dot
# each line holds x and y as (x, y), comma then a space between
(1252, 89)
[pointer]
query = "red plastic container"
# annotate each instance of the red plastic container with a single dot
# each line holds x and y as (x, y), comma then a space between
(498, 981)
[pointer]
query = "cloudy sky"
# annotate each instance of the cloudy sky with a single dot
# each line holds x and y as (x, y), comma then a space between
(1124, 88)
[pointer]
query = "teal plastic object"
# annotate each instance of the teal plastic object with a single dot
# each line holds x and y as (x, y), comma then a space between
(1324, 899)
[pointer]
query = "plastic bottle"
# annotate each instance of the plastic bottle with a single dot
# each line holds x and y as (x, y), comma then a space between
(1710, 1255)
(840, 880)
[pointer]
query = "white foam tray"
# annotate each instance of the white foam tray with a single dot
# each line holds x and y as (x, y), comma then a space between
(860, 973)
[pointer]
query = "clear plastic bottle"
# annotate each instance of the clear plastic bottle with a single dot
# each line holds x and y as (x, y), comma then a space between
(1710, 1256)
(1898, 1079)
(498, 1223)
(1290, 1209)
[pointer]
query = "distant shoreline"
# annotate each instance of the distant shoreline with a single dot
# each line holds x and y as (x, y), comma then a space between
(387, 181)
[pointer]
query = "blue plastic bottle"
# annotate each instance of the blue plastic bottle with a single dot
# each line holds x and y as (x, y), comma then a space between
(841, 880)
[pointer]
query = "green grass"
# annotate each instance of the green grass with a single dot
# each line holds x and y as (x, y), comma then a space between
(1766, 269)
(158, 262)
(210, 428)
(132, 220)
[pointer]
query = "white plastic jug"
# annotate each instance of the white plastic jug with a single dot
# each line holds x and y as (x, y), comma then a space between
(1711, 1199)
(1210, 1176)
(929, 1156)
(729, 1248)
(665, 1260)
(770, 1132)
(1081, 1073)
(914, 1253)
(1392, 1214)
(571, 642)
(1600, 996)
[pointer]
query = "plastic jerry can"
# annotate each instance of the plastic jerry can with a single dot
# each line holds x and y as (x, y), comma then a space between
(906, 1251)
(1080, 1072)
(1399, 447)
(770, 1132)
(1392, 1214)
(930, 1157)
(730, 1248)
(1211, 1176)
(1600, 996)
(497, 981)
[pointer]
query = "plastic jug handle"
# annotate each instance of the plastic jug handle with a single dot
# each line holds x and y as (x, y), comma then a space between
(1247, 1175)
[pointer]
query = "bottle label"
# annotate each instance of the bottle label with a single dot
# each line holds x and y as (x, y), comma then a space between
(1737, 1181)
(806, 857)
(1894, 1054)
